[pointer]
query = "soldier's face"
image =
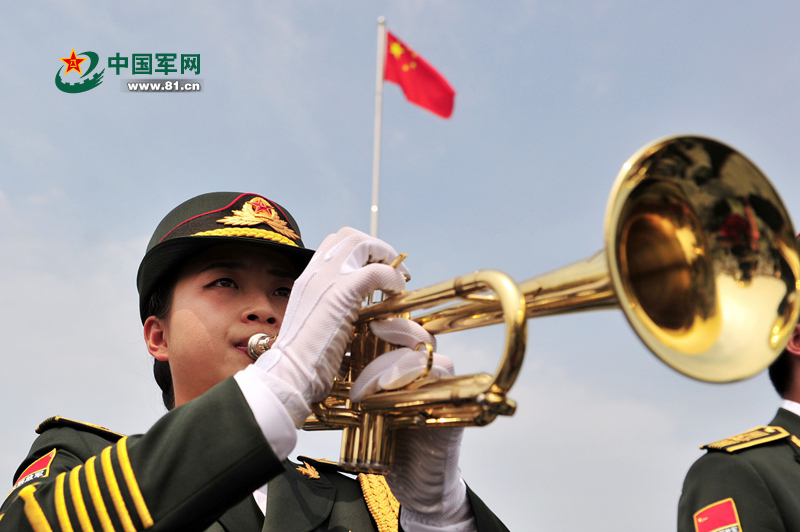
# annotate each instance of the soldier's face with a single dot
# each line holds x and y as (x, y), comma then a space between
(221, 298)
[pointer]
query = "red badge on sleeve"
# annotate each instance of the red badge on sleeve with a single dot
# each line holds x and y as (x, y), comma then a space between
(40, 468)
(718, 517)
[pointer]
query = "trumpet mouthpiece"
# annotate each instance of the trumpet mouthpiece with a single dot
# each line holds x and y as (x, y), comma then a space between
(258, 344)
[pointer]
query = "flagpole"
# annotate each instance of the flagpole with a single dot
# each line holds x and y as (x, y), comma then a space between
(376, 148)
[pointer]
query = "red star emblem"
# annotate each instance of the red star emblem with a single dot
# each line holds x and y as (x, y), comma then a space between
(259, 206)
(73, 62)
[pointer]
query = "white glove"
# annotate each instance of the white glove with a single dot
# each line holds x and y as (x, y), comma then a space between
(400, 367)
(426, 478)
(318, 323)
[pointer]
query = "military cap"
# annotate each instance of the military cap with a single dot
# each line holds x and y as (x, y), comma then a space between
(211, 219)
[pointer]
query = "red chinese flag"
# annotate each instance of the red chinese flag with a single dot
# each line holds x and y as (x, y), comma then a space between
(420, 82)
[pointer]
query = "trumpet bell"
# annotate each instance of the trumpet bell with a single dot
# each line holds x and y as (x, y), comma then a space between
(702, 257)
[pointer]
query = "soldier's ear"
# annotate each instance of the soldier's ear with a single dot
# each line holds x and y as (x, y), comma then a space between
(155, 336)
(794, 343)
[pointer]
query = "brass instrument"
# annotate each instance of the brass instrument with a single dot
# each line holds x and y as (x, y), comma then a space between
(699, 254)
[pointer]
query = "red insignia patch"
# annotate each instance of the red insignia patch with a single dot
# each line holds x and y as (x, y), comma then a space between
(39, 469)
(718, 517)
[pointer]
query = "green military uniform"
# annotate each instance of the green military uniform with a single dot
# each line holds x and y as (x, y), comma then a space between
(195, 469)
(750, 482)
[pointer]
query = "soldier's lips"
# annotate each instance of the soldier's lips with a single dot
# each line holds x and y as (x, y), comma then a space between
(242, 344)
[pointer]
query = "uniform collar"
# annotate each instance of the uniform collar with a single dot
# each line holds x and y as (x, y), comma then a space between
(297, 503)
(791, 406)
(788, 418)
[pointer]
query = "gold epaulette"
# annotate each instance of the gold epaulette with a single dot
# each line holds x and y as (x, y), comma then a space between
(58, 421)
(382, 504)
(750, 438)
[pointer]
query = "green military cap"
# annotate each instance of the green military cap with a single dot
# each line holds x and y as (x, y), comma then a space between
(211, 219)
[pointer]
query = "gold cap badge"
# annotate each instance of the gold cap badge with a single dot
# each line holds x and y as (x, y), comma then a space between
(259, 211)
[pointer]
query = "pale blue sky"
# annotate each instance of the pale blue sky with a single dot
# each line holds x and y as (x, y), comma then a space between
(552, 98)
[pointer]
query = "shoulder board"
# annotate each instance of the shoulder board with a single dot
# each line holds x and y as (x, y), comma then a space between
(750, 438)
(58, 421)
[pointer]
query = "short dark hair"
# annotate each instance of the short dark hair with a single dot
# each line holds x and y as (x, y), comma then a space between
(780, 372)
(159, 305)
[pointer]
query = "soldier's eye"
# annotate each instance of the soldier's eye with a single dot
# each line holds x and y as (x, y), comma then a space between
(284, 291)
(224, 282)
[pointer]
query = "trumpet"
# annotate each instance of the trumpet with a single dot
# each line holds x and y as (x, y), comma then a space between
(700, 255)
